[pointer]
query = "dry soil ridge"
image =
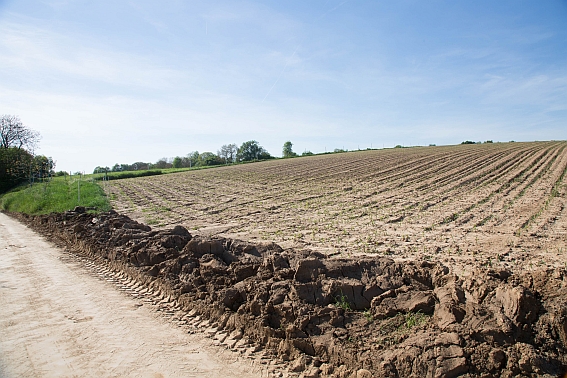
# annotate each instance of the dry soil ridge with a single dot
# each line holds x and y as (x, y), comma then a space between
(368, 316)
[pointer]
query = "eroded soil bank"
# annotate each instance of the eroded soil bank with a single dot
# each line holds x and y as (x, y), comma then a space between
(357, 317)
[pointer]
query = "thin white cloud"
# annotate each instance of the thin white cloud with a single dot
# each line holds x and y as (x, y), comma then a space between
(325, 83)
(35, 50)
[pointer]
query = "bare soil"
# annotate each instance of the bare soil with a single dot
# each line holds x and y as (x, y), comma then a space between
(501, 204)
(337, 317)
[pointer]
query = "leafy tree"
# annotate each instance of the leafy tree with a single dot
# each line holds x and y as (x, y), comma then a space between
(43, 166)
(228, 153)
(208, 158)
(307, 153)
(192, 159)
(18, 165)
(250, 151)
(287, 150)
(100, 169)
(177, 162)
(17, 162)
(13, 133)
(15, 167)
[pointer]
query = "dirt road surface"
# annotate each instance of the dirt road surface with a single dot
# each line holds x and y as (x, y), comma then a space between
(59, 320)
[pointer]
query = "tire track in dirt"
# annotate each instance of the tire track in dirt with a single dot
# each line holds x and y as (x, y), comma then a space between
(57, 320)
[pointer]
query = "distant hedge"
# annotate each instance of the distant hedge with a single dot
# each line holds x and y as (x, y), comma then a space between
(128, 174)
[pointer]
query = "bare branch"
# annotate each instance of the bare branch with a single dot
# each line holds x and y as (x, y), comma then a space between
(13, 133)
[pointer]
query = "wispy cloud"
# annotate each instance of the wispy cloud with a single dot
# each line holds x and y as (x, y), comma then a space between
(38, 52)
(323, 75)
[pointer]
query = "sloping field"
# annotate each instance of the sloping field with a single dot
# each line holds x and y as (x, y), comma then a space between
(485, 226)
(501, 203)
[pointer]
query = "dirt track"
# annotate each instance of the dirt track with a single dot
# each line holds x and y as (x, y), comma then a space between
(58, 319)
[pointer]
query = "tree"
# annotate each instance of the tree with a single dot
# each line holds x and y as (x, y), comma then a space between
(43, 166)
(17, 162)
(18, 165)
(228, 153)
(15, 167)
(140, 165)
(13, 133)
(177, 162)
(162, 164)
(251, 150)
(287, 151)
(100, 169)
(208, 158)
(192, 159)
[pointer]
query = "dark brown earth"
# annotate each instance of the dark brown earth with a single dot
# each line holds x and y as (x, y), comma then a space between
(339, 317)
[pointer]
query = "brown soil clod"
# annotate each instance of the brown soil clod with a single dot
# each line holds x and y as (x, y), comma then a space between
(358, 317)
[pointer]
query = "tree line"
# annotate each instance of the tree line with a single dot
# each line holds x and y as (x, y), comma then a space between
(18, 163)
(227, 154)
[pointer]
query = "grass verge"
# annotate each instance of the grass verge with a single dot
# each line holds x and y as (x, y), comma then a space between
(54, 196)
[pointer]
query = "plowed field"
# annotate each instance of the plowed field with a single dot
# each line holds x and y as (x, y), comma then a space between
(499, 204)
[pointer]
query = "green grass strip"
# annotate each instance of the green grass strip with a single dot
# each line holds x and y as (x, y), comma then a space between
(57, 195)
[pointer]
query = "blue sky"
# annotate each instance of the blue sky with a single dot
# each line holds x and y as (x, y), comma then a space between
(109, 82)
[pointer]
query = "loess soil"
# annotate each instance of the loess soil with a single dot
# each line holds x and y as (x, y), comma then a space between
(501, 204)
(349, 317)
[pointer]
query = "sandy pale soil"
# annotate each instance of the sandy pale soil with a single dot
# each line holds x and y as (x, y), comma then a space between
(58, 320)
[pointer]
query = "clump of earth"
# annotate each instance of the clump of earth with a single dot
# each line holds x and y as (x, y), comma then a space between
(339, 317)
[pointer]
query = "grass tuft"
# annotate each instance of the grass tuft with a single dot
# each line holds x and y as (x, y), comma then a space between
(342, 302)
